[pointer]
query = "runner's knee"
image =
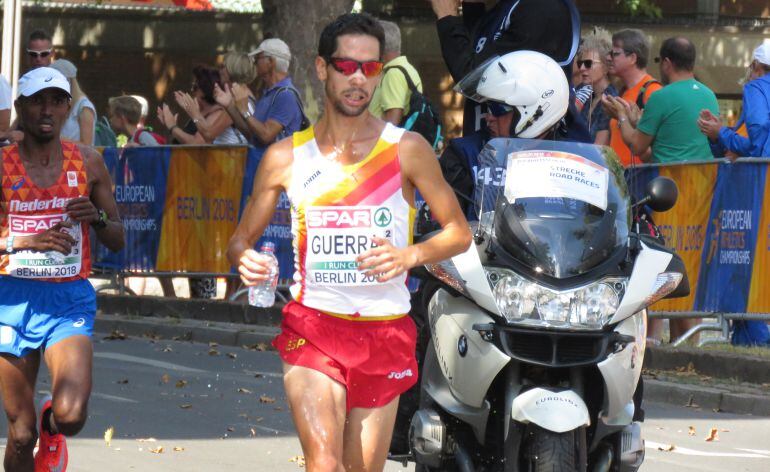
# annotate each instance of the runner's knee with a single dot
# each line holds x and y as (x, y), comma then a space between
(23, 434)
(324, 462)
(69, 415)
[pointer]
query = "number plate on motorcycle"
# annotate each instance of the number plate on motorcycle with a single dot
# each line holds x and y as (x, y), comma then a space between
(555, 174)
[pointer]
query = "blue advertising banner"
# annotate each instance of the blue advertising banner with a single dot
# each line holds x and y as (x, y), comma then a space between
(730, 241)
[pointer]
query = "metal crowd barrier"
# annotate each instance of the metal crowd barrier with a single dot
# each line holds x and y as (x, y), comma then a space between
(721, 324)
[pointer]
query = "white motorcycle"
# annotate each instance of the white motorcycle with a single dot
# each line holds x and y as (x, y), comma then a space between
(537, 332)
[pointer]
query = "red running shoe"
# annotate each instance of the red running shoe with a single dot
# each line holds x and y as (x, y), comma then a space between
(52, 448)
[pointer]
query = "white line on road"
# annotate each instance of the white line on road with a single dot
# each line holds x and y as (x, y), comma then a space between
(692, 452)
(114, 398)
(755, 451)
(141, 360)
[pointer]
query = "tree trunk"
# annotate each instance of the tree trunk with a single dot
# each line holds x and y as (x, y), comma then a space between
(299, 23)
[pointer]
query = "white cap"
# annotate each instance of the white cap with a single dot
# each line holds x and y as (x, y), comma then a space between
(40, 79)
(273, 47)
(143, 102)
(762, 53)
(67, 68)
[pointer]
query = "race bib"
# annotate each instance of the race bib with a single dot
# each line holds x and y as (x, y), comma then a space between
(49, 264)
(336, 235)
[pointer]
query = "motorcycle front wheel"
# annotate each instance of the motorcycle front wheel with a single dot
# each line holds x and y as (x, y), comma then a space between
(546, 451)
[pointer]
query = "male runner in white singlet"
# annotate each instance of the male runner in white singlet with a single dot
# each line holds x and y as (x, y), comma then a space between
(346, 341)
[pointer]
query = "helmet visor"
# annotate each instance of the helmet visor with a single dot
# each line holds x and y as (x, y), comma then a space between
(468, 85)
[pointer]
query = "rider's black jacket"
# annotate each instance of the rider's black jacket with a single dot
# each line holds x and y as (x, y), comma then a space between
(512, 25)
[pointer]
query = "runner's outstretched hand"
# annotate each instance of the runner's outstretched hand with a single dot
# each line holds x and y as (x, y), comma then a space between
(385, 261)
(82, 210)
(52, 239)
(253, 267)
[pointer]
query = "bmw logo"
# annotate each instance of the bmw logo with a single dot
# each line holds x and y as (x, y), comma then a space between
(462, 346)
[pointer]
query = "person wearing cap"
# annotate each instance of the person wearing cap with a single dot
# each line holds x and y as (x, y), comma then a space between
(54, 191)
(81, 121)
(278, 112)
(756, 112)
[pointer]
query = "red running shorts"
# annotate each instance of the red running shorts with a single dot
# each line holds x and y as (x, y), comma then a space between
(374, 360)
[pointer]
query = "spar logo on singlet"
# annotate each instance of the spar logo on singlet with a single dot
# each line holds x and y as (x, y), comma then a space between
(27, 224)
(342, 218)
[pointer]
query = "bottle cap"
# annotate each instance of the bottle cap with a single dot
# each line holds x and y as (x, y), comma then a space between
(267, 246)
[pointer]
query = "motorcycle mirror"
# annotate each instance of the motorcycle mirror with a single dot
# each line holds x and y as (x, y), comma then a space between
(662, 194)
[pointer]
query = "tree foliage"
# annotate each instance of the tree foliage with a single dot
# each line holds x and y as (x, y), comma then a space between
(640, 8)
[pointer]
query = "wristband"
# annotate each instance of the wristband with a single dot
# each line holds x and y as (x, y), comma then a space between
(9, 244)
(246, 115)
(621, 120)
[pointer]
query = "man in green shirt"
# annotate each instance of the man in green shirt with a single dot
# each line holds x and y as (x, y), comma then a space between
(669, 122)
(390, 101)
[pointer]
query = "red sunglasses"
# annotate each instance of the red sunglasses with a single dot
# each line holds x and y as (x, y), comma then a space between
(349, 66)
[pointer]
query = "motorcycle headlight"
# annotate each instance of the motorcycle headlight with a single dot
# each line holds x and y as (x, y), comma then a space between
(523, 302)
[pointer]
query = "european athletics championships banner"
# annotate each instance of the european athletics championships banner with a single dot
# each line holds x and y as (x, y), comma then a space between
(181, 204)
(720, 226)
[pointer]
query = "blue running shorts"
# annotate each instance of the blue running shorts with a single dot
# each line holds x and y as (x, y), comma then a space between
(36, 314)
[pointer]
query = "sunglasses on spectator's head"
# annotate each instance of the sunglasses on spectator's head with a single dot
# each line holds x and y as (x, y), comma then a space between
(44, 53)
(349, 66)
(587, 63)
(498, 109)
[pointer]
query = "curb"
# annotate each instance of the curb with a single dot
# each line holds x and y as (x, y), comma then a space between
(697, 396)
(224, 334)
(724, 365)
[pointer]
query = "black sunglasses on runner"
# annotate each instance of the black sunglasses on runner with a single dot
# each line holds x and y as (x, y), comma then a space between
(45, 53)
(588, 63)
(349, 66)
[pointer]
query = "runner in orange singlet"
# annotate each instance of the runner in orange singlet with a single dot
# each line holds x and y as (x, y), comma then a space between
(52, 192)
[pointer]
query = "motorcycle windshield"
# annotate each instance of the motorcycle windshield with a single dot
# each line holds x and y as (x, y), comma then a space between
(559, 208)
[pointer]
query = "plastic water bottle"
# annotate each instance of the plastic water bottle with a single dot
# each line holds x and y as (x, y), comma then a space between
(263, 294)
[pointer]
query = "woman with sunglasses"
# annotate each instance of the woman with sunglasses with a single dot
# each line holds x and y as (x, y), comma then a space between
(81, 121)
(593, 70)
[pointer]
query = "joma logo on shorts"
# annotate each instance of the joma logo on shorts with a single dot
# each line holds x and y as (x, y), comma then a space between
(400, 375)
(339, 218)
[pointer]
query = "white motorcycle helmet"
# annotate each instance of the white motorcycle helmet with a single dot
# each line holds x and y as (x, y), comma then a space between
(529, 82)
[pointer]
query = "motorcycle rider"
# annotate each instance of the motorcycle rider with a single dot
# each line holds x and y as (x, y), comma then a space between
(526, 98)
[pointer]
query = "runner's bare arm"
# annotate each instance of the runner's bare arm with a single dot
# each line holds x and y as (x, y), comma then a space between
(420, 167)
(101, 198)
(272, 178)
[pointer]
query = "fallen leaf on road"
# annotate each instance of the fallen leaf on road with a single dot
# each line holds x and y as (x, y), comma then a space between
(108, 436)
(278, 408)
(259, 376)
(243, 415)
(266, 399)
(146, 439)
(667, 448)
(167, 349)
(178, 449)
(213, 352)
(691, 432)
(115, 335)
(230, 429)
(244, 390)
(299, 460)
(724, 430)
(213, 344)
(165, 378)
(157, 450)
(232, 355)
(713, 435)
(181, 383)
(185, 406)
(253, 433)
(122, 381)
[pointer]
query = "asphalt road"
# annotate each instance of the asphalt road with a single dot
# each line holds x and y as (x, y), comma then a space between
(177, 406)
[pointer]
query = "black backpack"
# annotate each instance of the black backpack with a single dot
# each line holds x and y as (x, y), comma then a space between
(423, 117)
(640, 101)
